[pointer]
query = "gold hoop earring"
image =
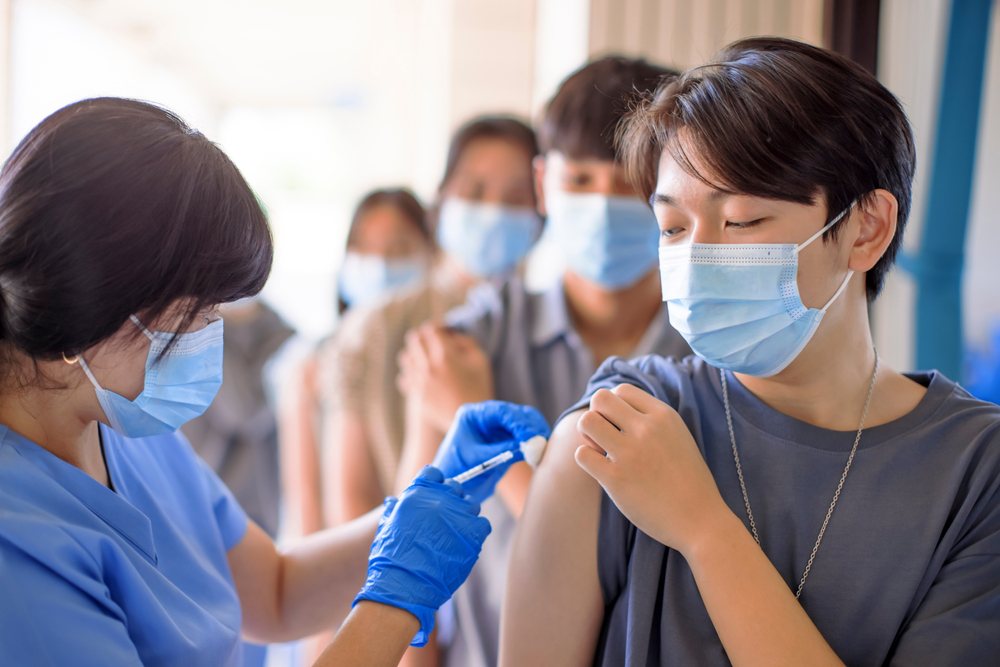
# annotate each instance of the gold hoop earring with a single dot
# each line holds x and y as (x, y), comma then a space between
(73, 360)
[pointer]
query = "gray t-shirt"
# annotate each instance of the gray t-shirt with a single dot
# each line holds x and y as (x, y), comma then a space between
(537, 359)
(908, 572)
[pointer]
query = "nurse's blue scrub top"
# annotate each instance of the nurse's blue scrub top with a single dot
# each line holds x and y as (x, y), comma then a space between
(138, 577)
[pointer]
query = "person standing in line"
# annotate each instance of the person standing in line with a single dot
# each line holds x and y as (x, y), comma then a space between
(485, 223)
(389, 248)
(540, 349)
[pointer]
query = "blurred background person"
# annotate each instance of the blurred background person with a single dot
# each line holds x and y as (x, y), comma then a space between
(540, 349)
(486, 223)
(389, 247)
(238, 433)
(488, 171)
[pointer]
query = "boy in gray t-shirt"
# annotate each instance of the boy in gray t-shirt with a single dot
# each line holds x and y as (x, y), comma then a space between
(784, 499)
(909, 566)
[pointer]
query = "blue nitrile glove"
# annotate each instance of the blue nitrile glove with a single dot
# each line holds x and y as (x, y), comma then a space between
(480, 432)
(425, 547)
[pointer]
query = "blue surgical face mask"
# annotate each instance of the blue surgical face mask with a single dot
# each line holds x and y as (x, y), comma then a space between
(364, 279)
(487, 238)
(611, 241)
(738, 305)
(178, 386)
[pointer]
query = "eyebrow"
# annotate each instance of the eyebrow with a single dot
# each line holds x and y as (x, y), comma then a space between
(661, 198)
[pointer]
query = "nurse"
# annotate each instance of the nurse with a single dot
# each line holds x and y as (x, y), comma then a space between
(121, 230)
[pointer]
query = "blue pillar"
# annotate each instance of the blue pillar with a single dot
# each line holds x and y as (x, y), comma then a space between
(938, 266)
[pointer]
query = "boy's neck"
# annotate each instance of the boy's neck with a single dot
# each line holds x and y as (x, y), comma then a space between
(826, 385)
(611, 323)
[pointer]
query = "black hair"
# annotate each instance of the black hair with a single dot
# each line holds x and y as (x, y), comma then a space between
(507, 128)
(783, 120)
(113, 207)
(581, 119)
(404, 201)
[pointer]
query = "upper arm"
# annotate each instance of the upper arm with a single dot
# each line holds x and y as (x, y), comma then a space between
(298, 439)
(256, 568)
(553, 607)
(348, 366)
(349, 475)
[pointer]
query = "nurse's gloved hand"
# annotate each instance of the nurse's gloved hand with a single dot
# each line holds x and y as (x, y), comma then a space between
(425, 547)
(480, 432)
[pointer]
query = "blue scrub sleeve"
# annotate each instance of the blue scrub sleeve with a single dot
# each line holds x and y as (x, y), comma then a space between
(229, 514)
(49, 621)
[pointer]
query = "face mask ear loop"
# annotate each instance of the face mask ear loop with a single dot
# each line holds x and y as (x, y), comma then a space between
(149, 334)
(86, 369)
(828, 226)
(843, 286)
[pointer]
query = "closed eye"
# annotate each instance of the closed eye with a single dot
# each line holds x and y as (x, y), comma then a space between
(744, 225)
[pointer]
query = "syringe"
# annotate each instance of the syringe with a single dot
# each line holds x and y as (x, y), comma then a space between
(532, 450)
(475, 471)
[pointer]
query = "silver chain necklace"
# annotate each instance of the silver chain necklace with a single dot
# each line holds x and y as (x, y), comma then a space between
(836, 495)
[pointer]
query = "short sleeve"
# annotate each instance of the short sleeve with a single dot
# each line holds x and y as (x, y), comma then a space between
(958, 621)
(482, 316)
(229, 515)
(617, 538)
(650, 373)
(47, 620)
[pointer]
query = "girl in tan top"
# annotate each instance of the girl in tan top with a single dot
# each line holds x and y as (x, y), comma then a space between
(389, 247)
(487, 185)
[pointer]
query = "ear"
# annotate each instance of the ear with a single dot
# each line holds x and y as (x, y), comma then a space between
(538, 167)
(877, 222)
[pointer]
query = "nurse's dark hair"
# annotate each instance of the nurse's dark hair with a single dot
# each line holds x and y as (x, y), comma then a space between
(580, 119)
(779, 119)
(112, 207)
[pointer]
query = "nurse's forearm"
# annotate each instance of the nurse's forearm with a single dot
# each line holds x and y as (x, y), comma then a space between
(755, 613)
(324, 572)
(374, 635)
(307, 589)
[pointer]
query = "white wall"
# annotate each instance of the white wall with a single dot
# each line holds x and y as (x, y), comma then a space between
(317, 101)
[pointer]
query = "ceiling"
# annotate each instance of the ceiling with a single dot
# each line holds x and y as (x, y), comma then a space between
(264, 52)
